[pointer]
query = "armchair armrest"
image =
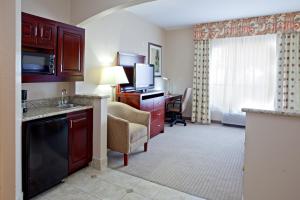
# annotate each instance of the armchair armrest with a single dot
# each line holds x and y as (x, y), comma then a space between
(141, 117)
(118, 134)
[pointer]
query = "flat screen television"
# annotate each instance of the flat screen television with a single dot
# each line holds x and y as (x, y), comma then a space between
(140, 77)
(143, 76)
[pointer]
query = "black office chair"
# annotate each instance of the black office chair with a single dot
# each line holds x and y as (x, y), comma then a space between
(176, 109)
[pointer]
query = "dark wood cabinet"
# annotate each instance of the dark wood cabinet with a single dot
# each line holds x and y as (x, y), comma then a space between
(153, 102)
(65, 42)
(46, 35)
(29, 31)
(70, 52)
(38, 32)
(80, 139)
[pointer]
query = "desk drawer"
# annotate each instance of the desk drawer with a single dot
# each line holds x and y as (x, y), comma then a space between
(159, 103)
(158, 115)
(147, 105)
(156, 128)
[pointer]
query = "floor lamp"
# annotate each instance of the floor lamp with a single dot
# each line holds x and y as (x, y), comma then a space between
(113, 76)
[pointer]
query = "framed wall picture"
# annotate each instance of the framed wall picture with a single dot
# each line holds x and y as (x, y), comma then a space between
(155, 58)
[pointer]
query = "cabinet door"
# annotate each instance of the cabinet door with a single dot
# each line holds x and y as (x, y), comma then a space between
(38, 32)
(80, 140)
(70, 52)
(29, 31)
(46, 37)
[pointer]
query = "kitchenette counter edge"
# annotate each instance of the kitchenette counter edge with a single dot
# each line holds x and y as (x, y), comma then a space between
(43, 112)
(290, 113)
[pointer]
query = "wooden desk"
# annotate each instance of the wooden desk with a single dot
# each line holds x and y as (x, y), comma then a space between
(171, 98)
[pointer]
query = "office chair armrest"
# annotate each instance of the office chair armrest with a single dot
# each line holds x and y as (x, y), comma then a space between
(174, 104)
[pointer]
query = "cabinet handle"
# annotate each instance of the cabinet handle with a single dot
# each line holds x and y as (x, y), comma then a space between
(35, 31)
(79, 120)
(71, 123)
(42, 32)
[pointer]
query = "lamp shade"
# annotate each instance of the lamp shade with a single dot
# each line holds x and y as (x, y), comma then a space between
(113, 76)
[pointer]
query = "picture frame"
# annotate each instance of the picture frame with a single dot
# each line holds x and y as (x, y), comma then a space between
(155, 58)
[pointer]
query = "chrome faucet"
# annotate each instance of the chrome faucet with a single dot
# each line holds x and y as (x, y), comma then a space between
(63, 97)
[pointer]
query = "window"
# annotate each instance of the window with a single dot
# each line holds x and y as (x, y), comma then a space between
(242, 74)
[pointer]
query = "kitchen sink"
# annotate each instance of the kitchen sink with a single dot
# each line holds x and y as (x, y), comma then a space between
(68, 105)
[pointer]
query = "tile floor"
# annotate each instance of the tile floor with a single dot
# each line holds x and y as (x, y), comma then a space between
(91, 184)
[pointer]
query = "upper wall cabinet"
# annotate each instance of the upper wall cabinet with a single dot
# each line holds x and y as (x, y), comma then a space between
(62, 42)
(70, 52)
(38, 33)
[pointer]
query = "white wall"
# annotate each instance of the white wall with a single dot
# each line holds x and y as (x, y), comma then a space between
(59, 10)
(272, 159)
(179, 59)
(10, 103)
(47, 90)
(120, 31)
(82, 10)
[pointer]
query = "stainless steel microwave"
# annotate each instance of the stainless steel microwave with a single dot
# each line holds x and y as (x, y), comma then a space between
(38, 63)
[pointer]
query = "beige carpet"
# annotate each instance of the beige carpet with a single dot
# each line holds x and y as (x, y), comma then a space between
(202, 160)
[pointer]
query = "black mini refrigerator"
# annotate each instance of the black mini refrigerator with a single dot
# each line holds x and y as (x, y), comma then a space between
(45, 154)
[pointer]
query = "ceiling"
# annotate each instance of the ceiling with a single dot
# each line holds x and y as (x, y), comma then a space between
(172, 14)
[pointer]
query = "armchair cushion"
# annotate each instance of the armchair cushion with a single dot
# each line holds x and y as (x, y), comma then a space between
(137, 131)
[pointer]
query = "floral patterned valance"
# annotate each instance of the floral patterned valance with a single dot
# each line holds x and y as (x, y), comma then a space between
(280, 23)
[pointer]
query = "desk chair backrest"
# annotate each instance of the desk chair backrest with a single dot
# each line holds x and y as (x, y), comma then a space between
(185, 98)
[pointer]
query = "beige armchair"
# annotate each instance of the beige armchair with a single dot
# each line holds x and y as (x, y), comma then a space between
(127, 128)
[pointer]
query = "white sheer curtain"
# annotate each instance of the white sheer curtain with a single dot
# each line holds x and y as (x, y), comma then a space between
(242, 74)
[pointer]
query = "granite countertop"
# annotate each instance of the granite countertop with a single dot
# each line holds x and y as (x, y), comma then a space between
(41, 108)
(291, 113)
(93, 96)
(42, 112)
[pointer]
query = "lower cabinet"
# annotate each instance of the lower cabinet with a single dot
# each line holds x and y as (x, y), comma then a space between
(80, 139)
(54, 147)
